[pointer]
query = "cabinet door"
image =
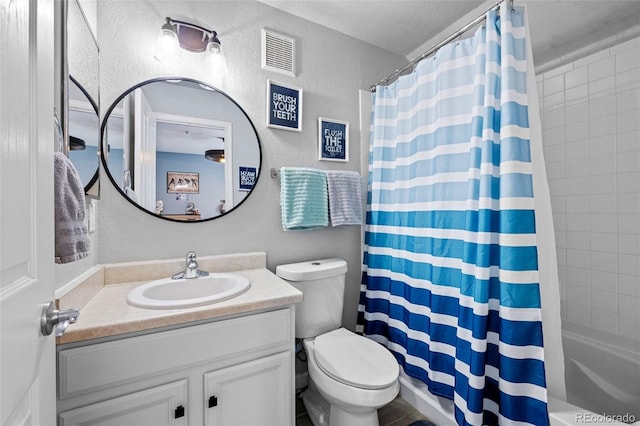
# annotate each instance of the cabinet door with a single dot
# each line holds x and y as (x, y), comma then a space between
(158, 406)
(256, 393)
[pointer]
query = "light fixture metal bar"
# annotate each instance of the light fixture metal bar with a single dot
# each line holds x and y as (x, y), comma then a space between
(189, 24)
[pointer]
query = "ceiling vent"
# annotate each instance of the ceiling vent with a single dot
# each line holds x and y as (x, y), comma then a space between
(278, 53)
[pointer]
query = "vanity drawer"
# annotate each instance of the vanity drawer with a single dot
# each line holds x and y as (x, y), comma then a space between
(104, 365)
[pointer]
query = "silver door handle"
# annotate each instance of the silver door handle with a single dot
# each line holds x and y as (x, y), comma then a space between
(53, 318)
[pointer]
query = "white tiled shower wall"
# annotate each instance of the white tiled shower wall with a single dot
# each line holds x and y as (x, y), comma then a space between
(590, 112)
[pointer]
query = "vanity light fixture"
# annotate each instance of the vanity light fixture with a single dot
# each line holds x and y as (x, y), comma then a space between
(216, 155)
(175, 35)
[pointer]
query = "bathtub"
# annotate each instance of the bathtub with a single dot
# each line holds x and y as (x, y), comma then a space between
(602, 377)
(602, 371)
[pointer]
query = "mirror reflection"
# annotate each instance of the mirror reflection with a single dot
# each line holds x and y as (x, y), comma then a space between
(180, 150)
(83, 134)
(82, 51)
(83, 124)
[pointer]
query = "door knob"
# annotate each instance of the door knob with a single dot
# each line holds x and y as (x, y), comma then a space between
(54, 319)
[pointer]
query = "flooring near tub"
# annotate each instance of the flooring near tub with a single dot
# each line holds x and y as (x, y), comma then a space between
(396, 413)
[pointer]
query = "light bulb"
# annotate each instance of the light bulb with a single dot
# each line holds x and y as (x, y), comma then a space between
(167, 44)
(215, 58)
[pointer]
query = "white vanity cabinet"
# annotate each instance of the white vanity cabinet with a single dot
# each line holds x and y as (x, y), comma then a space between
(236, 371)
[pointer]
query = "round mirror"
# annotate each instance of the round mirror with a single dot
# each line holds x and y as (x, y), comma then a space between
(83, 133)
(180, 149)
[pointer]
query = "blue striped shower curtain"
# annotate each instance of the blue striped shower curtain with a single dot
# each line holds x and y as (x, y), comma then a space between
(450, 274)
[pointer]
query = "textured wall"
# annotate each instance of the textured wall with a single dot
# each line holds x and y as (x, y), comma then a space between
(331, 68)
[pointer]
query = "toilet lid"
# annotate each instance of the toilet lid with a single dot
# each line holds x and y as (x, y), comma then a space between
(355, 360)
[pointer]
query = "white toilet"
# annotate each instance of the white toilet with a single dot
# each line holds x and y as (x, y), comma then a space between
(350, 376)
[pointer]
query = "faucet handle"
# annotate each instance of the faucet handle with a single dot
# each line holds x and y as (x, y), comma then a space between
(191, 260)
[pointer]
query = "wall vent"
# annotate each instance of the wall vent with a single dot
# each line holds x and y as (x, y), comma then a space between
(278, 53)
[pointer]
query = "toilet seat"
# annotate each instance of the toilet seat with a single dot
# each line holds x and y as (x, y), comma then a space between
(355, 360)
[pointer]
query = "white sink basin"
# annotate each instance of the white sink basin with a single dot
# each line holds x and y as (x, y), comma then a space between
(168, 293)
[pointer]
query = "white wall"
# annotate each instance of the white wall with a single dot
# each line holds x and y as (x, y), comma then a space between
(591, 125)
(331, 69)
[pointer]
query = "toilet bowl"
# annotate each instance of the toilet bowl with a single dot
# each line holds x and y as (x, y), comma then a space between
(355, 376)
(350, 376)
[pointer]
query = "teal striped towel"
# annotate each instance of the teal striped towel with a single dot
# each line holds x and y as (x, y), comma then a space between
(303, 198)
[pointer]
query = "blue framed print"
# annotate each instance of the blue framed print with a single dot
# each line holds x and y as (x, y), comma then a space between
(247, 178)
(333, 140)
(284, 106)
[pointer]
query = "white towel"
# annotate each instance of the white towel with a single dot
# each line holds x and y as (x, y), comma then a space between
(345, 197)
(71, 233)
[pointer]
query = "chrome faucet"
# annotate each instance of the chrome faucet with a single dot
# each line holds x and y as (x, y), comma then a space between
(191, 270)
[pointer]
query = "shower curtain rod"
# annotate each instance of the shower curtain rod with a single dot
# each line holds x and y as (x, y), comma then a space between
(436, 47)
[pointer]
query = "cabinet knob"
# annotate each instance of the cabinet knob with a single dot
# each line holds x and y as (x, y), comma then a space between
(213, 401)
(179, 411)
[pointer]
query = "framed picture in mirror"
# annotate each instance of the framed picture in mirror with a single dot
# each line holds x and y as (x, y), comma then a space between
(247, 178)
(183, 183)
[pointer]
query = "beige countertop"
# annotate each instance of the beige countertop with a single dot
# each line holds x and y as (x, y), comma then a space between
(105, 312)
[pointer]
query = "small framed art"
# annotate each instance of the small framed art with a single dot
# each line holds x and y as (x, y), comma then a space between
(183, 183)
(333, 140)
(284, 106)
(247, 178)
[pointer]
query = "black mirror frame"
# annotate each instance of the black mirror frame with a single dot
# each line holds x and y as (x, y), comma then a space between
(103, 158)
(93, 103)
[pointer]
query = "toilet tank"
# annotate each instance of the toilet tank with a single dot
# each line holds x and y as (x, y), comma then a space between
(322, 285)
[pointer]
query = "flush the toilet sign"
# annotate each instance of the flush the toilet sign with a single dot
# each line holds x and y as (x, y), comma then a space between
(333, 140)
(284, 106)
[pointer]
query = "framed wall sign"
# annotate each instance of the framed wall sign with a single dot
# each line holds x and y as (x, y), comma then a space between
(247, 177)
(333, 140)
(183, 183)
(284, 106)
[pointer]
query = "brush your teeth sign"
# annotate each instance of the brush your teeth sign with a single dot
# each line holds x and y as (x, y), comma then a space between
(333, 140)
(284, 106)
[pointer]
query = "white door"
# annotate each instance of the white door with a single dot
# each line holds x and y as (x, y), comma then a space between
(255, 393)
(145, 152)
(158, 406)
(27, 358)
